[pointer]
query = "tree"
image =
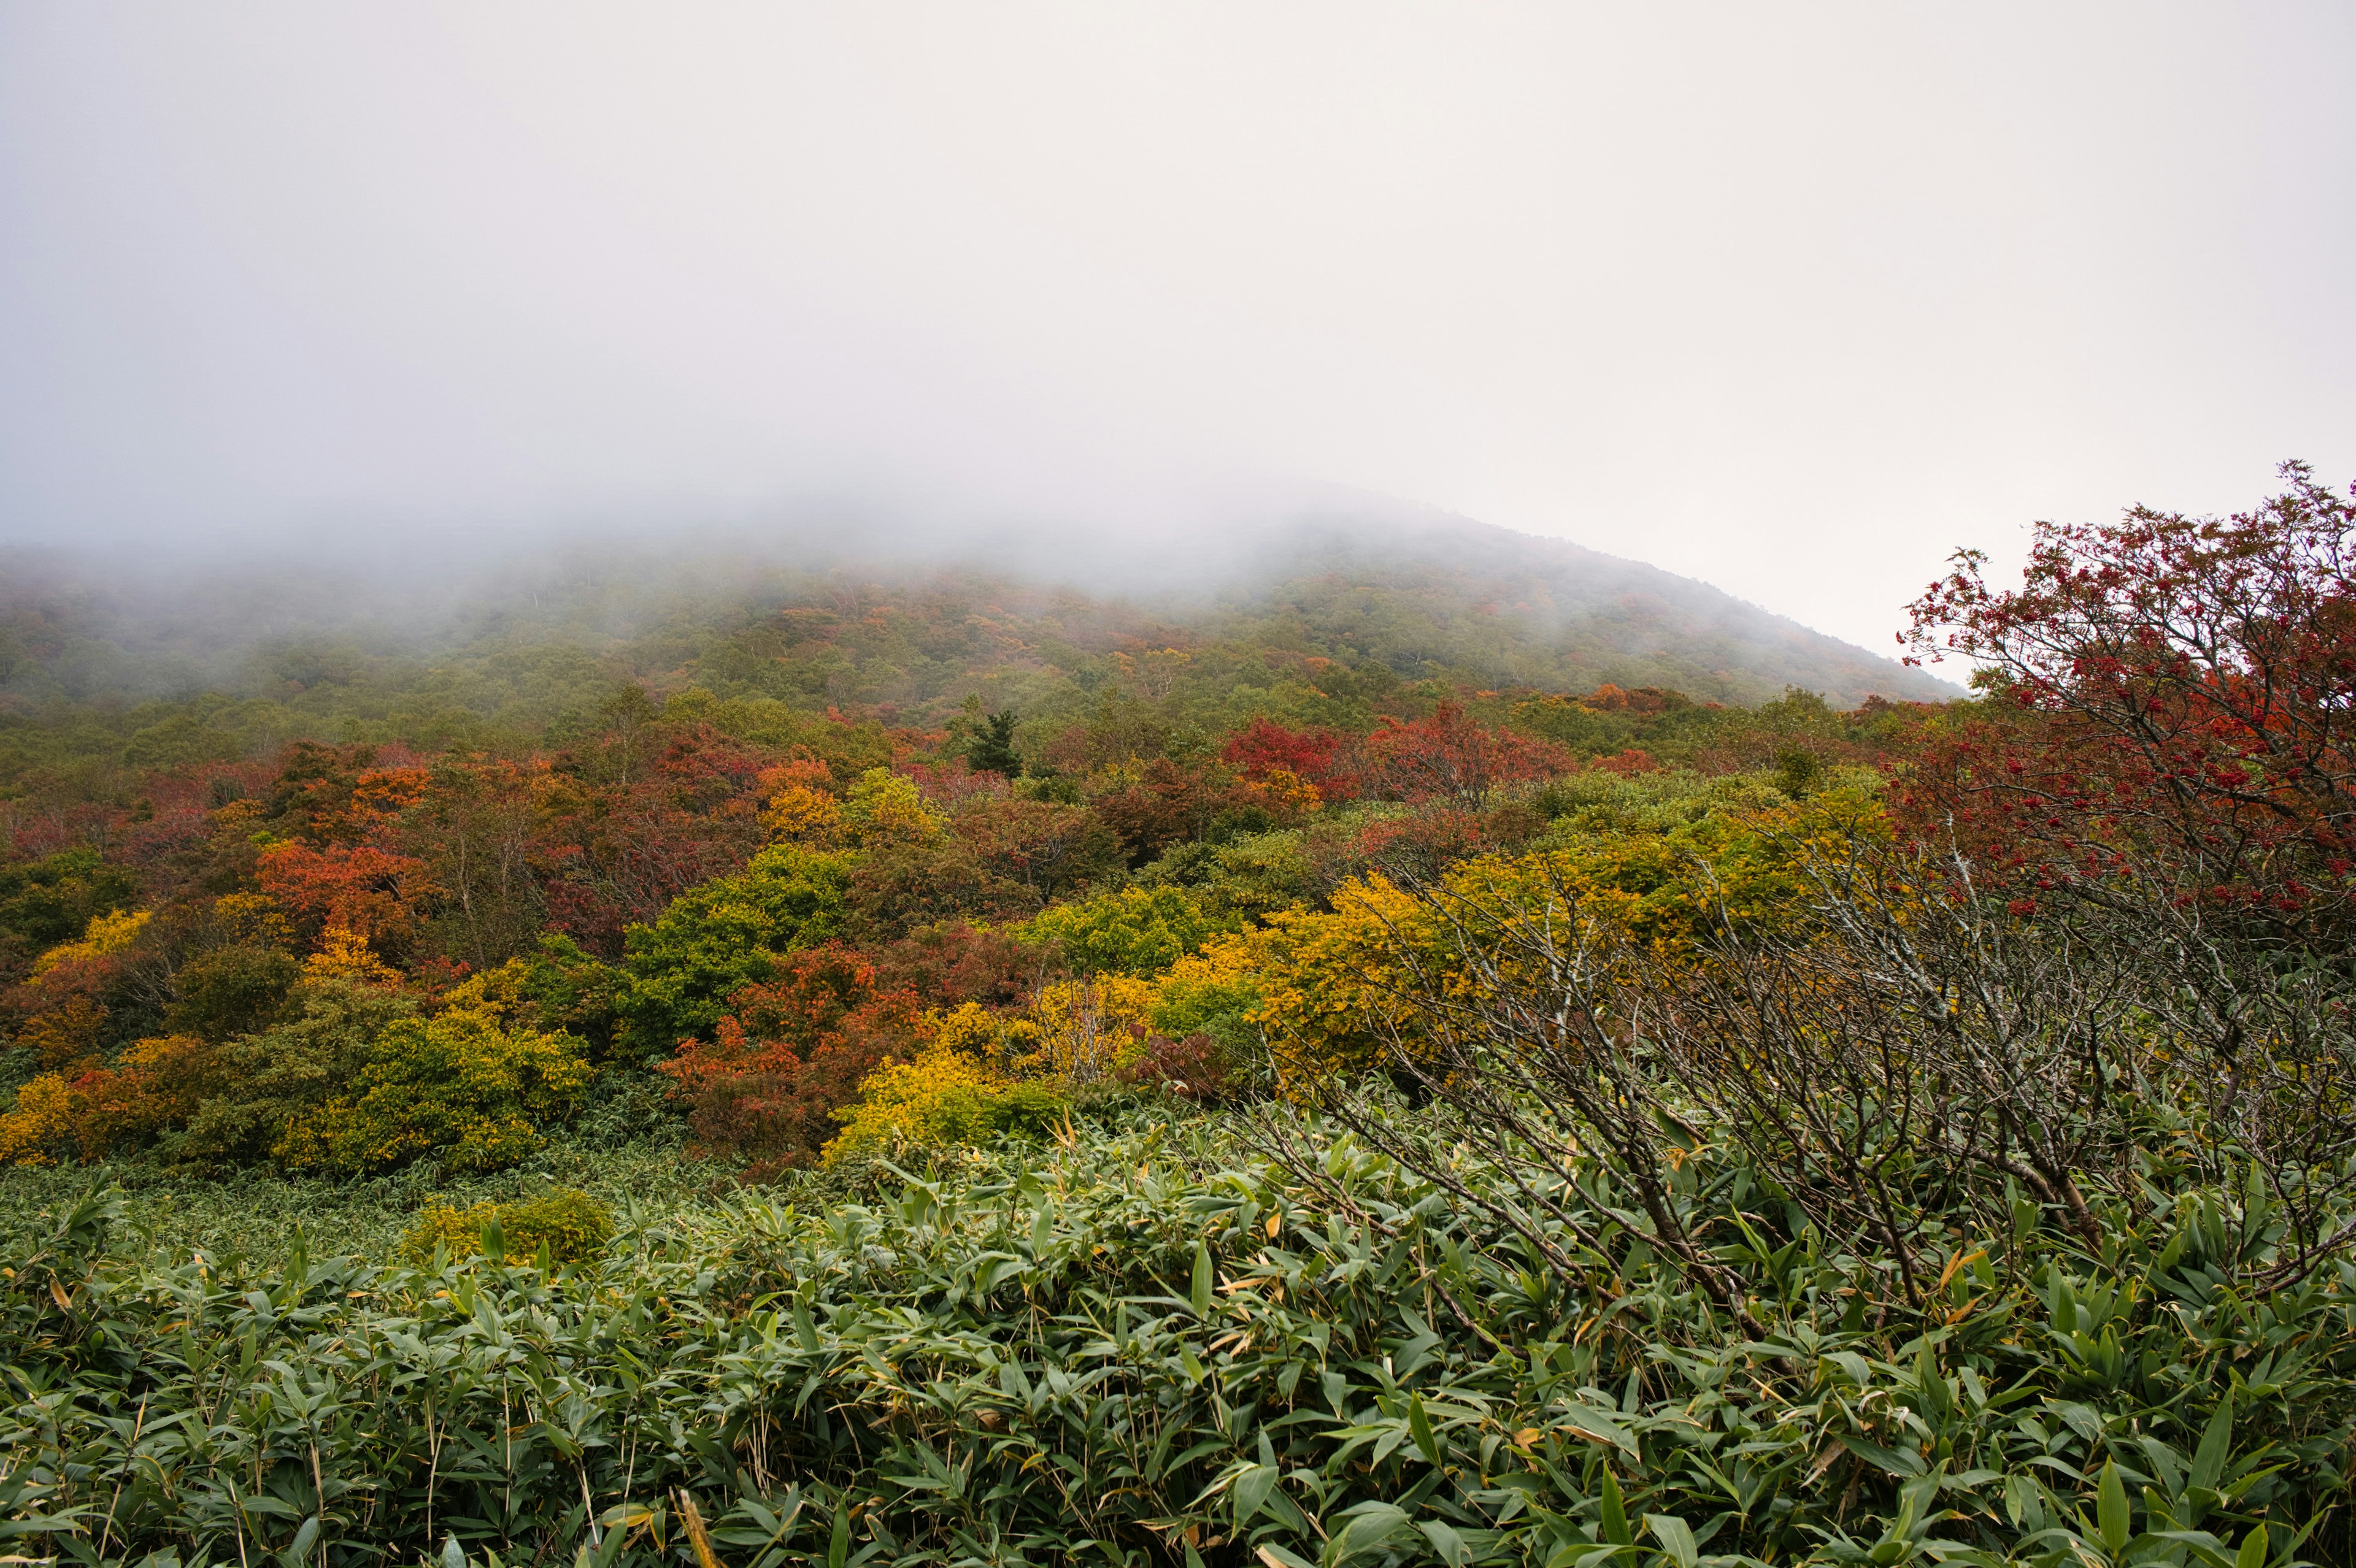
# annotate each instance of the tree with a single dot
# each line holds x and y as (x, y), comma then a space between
(1448, 755)
(991, 751)
(727, 933)
(2171, 701)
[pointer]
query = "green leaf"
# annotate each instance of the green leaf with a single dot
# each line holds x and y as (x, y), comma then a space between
(1446, 1542)
(2252, 1553)
(1674, 1537)
(453, 1554)
(1370, 1525)
(1418, 1426)
(2216, 1447)
(1200, 1292)
(2111, 1509)
(838, 1546)
(1595, 1423)
(1615, 1514)
(305, 1539)
(1251, 1489)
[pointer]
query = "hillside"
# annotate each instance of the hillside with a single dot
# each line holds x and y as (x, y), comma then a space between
(1330, 619)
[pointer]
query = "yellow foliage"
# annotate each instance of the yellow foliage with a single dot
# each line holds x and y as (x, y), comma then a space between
(1087, 1027)
(885, 807)
(1328, 982)
(457, 1086)
(939, 1098)
(42, 1120)
(345, 954)
(106, 933)
(1288, 791)
(974, 1030)
(1331, 983)
(802, 814)
(255, 918)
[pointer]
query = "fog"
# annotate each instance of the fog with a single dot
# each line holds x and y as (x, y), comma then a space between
(1792, 299)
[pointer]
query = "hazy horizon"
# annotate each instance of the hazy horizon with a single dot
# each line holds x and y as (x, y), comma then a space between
(1792, 304)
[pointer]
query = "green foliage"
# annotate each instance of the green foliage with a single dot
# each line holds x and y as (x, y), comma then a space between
(323, 1042)
(573, 1226)
(1251, 877)
(1154, 1339)
(1130, 930)
(46, 902)
(991, 751)
(170, 1212)
(725, 934)
(457, 1086)
(943, 1099)
(555, 987)
(232, 991)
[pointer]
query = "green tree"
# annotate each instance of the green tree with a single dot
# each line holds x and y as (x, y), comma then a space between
(230, 991)
(992, 750)
(324, 1040)
(1135, 930)
(727, 933)
(458, 1087)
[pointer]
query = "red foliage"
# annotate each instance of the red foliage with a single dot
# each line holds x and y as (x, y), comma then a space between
(1194, 1068)
(1627, 764)
(2173, 694)
(1264, 747)
(1448, 755)
(792, 1052)
(359, 887)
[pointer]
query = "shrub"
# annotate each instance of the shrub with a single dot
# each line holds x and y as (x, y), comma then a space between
(232, 991)
(556, 988)
(721, 937)
(945, 1097)
(324, 1040)
(107, 934)
(1139, 931)
(457, 1086)
(1195, 1068)
(574, 1228)
(1086, 1027)
(38, 1130)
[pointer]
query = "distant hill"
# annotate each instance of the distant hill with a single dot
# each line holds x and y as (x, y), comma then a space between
(1333, 615)
(1551, 613)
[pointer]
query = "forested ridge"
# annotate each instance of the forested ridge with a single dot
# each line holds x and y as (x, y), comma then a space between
(1377, 1065)
(104, 668)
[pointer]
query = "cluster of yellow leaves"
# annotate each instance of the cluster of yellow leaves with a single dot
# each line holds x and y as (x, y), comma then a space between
(43, 1120)
(106, 933)
(1334, 986)
(1328, 983)
(942, 1097)
(345, 953)
(255, 918)
(1085, 1029)
(1221, 979)
(572, 1226)
(153, 1083)
(800, 814)
(883, 807)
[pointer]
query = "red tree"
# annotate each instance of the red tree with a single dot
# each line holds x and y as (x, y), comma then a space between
(2171, 695)
(1264, 747)
(1448, 756)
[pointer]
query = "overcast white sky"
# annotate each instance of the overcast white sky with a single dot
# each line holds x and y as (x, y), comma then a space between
(1791, 298)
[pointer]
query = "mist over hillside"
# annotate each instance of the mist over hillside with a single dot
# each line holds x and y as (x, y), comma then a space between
(849, 606)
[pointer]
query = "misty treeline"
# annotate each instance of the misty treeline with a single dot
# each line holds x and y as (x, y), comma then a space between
(108, 667)
(1189, 1124)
